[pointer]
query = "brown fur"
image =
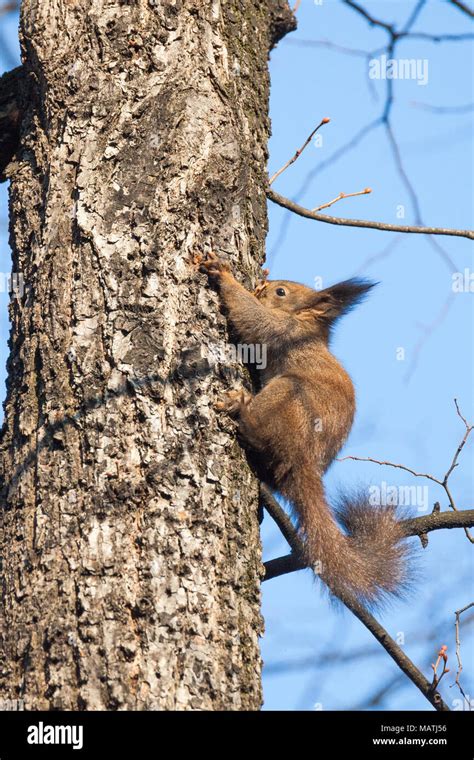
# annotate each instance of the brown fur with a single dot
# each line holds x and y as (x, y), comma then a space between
(296, 424)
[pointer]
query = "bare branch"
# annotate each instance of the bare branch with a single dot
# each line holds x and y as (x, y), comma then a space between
(414, 526)
(457, 683)
(281, 518)
(405, 32)
(377, 630)
(401, 170)
(444, 310)
(307, 214)
(392, 685)
(414, 15)
(419, 526)
(371, 19)
(290, 563)
(438, 37)
(330, 45)
(298, 152)
(462, 7)
(442, 109)
(329, 658)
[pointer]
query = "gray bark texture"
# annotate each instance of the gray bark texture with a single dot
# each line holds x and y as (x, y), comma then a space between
(129, 537)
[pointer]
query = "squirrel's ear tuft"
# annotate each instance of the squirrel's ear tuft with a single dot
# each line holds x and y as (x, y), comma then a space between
(337, 300)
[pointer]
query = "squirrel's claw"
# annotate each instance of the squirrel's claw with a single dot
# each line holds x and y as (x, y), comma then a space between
(233, 401)
(261, 284)
(212, 265)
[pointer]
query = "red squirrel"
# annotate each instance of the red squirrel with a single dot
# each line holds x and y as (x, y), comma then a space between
(295, 425)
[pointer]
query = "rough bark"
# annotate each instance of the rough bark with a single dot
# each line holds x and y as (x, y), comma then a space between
(10, 117)
(130, 549)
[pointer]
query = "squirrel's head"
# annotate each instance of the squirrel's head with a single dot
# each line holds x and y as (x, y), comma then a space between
(316, 308)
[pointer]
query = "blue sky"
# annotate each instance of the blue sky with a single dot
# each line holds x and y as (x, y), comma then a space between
(405, 411)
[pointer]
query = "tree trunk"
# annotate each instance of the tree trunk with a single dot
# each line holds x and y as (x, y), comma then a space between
(130, 546)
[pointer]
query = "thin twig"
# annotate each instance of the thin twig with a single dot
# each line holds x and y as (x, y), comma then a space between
(401, 170)
(414, 15)
(371, 19)
(393, 464)
(442, 313)
(328, 658)
(330, 45)
(386, 251)
(298, 152)
(438, 37)
(444, 482)
(441, 656)
(313, 173)
(457, 683)
(427, 332)
(462, 7)
(469, 429)
(391, 686)
(442, 109)
(340, 197)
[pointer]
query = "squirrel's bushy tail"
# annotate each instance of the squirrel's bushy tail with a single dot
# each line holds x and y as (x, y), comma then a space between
(369, 561)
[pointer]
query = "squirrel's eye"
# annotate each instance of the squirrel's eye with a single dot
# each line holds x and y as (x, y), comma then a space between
(280, 292)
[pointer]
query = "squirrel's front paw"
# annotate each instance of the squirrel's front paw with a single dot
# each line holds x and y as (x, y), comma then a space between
(234, 401)
(262, 283)
(211, 264)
